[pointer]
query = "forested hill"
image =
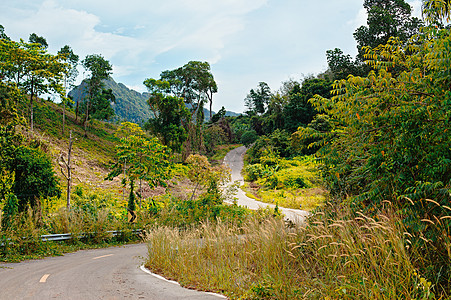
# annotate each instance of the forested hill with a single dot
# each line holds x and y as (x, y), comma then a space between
(130, 105)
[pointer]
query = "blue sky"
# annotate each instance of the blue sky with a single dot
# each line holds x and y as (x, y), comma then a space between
(245, 41)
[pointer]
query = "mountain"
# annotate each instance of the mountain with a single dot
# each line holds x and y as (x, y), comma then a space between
(130, 105)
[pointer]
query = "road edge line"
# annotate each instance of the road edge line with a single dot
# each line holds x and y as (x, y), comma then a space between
(144, 269)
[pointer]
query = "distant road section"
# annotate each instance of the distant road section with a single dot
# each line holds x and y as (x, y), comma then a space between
(111, 273)
(234, 159)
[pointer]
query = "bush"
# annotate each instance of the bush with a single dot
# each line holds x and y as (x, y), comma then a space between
(248, 137)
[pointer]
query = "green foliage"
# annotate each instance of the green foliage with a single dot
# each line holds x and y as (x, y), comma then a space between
(341, 65)
(10, 210)
(34, 177)
(288, 183)
(204, 175)
(101, 105)
(193, 84)
(386, 19)
(214, 135)
(170, 113)
(131, 206)
(248, 137)
(140, 158)
(299, 111)
(219, 115)
(184, 214)
(390, 138)
(258, 99)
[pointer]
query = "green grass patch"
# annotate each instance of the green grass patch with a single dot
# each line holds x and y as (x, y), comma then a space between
(291, 183)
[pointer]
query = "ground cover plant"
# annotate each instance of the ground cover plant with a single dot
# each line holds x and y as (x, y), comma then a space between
(290, 183)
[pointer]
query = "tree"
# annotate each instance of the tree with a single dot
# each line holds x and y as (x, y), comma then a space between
(70, 59)
(34, 177)
(3, 35)
(342, 65)
(101, 105)
(40, 40)
(436, 11)
(140, 158)
(99, 69)
(257, 100)
(299, 111)
(43, 73)
(219, 115)
(204, 175)
(195, 84)
(390, 141)
(170, 114)
(386, 18)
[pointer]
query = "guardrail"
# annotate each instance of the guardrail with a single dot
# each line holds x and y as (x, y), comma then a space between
(69, 236)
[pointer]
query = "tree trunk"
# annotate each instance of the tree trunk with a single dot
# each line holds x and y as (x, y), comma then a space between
(69, 171)
(86, 119)
(64, 106)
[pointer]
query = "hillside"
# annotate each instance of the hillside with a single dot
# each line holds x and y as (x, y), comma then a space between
(130, 105)
(91, 155)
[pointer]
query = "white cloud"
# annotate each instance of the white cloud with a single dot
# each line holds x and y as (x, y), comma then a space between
(360, 18)
(416, 5)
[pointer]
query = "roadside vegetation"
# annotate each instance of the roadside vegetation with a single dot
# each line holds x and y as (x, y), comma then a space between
(364, 146)
(378, 129)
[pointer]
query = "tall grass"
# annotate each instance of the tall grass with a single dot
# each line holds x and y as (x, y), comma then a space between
(334, 256)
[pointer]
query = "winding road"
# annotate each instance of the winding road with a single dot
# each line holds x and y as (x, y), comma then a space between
(234, 159)
(111, 273)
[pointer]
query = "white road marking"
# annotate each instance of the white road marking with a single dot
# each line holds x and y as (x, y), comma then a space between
(44, 278)
(102, 256)
(144, 269)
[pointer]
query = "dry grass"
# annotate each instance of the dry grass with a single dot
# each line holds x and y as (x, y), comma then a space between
(334, 257)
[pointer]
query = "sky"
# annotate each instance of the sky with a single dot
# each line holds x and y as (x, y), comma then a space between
(245, 41)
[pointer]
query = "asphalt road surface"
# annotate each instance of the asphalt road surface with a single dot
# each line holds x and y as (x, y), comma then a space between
(234, 159)
(111, 273)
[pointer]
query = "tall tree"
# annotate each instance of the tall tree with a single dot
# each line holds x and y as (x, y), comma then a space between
(258, 99)
(195, 84)
(386, 18)
(40, 40)
(70, 59)
(341, 65)
(299, 111)
(3, 35)
(170, 114)
(99, 69)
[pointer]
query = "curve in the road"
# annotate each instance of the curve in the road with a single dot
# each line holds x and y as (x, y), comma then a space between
(111, 273)
(234, 160)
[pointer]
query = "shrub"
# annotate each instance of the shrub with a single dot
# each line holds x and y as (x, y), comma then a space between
(248, 137)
